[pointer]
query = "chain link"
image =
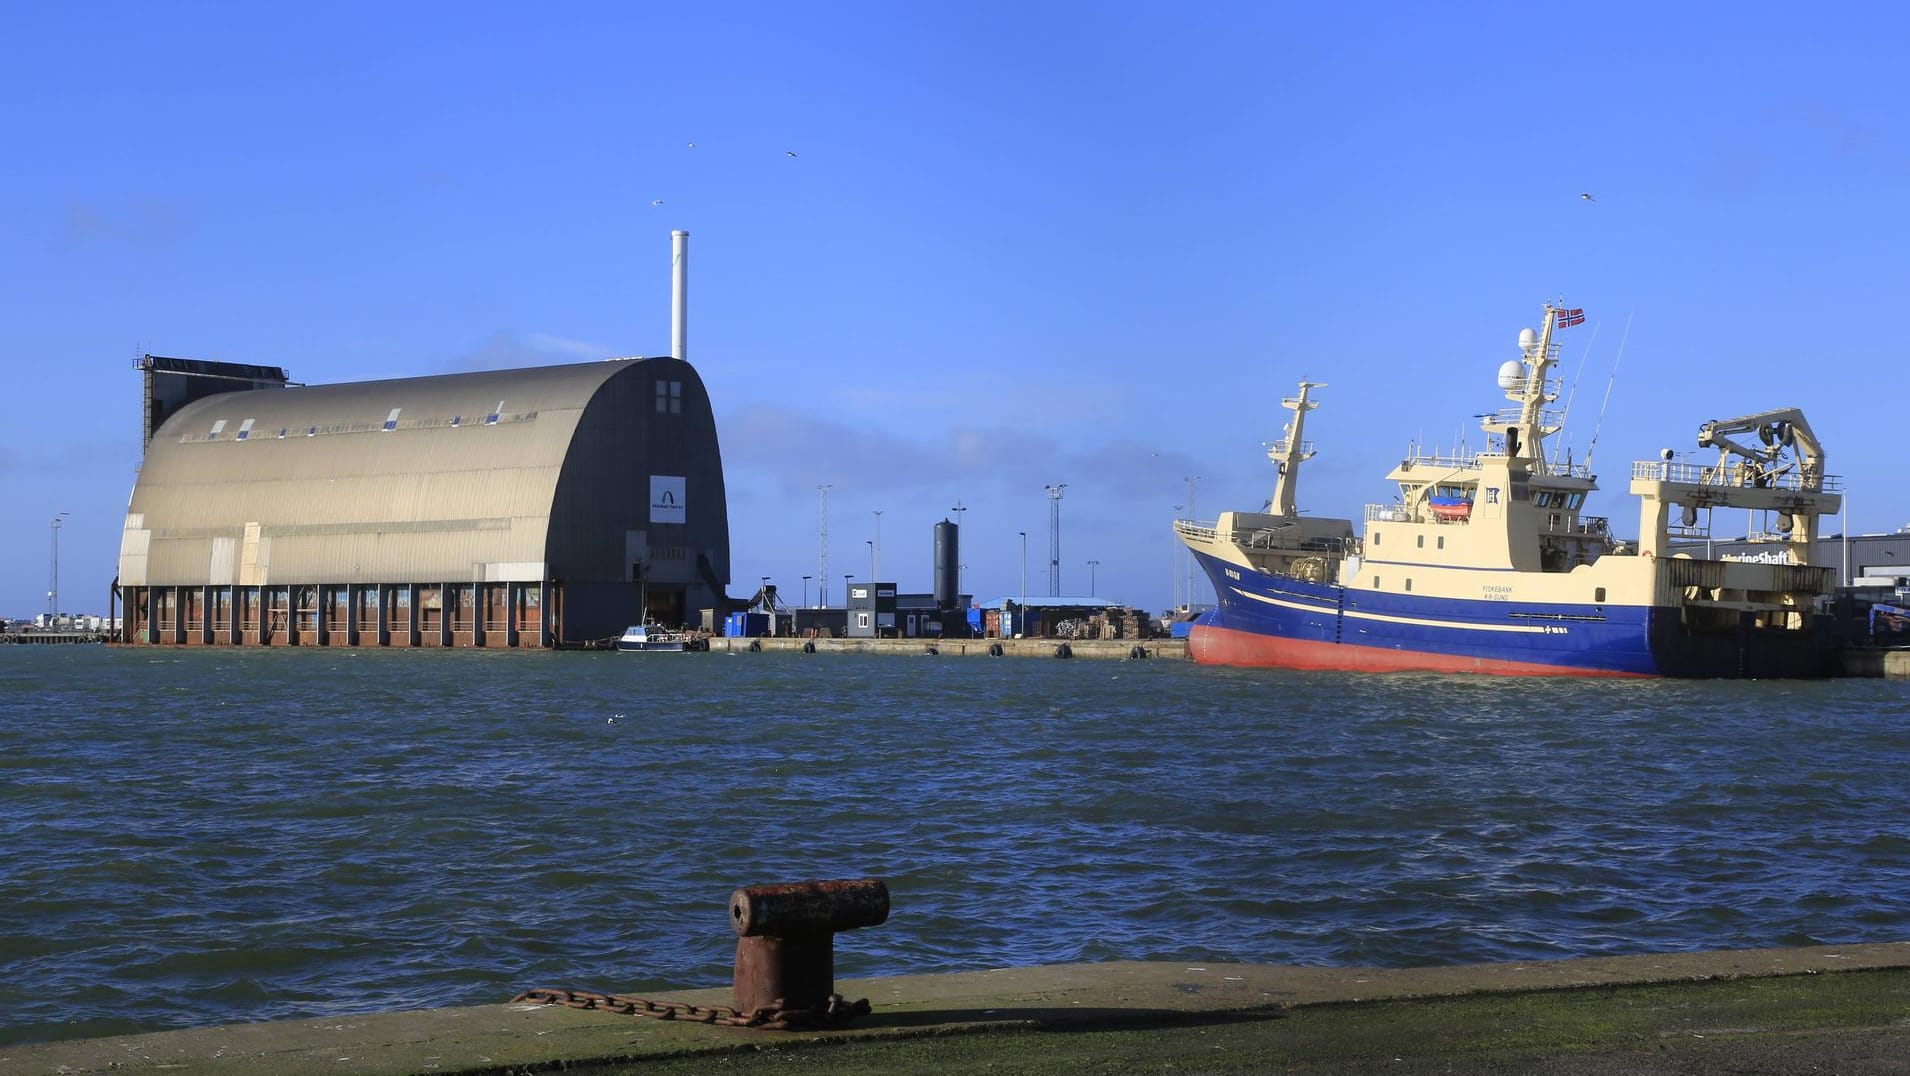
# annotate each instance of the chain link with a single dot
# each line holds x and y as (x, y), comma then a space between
(836, 1012)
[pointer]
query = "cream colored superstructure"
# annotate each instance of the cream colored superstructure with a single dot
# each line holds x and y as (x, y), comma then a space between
(1507, 524)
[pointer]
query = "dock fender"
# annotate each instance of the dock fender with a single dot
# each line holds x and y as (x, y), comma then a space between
(809, 647)
(994, 650)
(1064, 651)
(1137, 654)
(755, 646)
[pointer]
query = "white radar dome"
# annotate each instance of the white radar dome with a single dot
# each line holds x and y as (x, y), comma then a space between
(1527, 338)
(1511, 374)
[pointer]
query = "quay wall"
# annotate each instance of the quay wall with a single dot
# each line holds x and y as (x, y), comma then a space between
(1104, 649)
(1864, 661)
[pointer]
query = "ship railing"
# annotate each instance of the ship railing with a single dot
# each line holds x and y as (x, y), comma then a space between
(1512, 416)
(1388, 513)
(1195, 529)
(1593, 525)
(1552, 386)
(1275, 538)
(1283, 446)
(1569, 470)
(1444, 462)
(1732, 474)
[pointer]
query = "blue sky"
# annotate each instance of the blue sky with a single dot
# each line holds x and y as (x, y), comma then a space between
(1021, 244)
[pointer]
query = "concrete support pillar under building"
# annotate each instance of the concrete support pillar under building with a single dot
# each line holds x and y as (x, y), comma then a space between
(354, 608)
(412, 617)
(513, 597)
(447, 607)
(321, 607)
(152, 615)
(543, 613)
(386, 596)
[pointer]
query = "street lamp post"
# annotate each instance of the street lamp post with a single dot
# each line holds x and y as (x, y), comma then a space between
(1176, 572)
(1192, 481)
(53, 580)
(805, 592)
(1021, 612)
(875, 549)
(1093, 564)
(871, 546)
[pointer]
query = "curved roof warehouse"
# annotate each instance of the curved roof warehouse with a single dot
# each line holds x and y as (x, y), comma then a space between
(538, 507)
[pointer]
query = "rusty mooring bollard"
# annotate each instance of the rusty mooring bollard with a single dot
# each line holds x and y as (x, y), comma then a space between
(785, 945)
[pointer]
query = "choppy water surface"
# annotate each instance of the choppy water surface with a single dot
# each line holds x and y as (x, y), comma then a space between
(205, 837)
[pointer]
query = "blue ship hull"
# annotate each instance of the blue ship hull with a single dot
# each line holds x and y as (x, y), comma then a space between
(1279, 621)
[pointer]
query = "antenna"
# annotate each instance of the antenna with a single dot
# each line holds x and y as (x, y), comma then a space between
(1054, 539)
(1620, 357)
(1566, 415)
(822, 546)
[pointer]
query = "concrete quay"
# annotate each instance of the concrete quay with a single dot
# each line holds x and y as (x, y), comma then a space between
(1871, 662)
(1824, 1008)
(1100, 649)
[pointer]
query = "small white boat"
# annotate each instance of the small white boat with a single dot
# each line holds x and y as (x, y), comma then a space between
(649, 637)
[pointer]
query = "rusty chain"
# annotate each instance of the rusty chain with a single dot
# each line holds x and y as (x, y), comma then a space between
(836, 1012)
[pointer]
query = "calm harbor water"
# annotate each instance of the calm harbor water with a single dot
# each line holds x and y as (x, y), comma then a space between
(203, 837)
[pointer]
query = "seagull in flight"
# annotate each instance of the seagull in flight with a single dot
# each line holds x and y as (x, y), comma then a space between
(789, 152)
(656, 201)
(1588, 197)
(692, 145)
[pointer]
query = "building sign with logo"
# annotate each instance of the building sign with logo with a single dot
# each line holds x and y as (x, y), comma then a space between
(666, 499)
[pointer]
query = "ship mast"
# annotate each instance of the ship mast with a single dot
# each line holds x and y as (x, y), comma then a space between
(1291, 450)
(1525, 435)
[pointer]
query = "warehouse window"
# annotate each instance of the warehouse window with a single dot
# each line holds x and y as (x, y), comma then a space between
(491, 419)
(391, 420)
(456, 421)
(217, 429)
(245, 429)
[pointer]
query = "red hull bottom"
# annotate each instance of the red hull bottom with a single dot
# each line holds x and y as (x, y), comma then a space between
(1209, 645)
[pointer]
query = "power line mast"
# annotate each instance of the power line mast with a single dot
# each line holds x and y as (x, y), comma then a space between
(822, 547)
(1054, 539)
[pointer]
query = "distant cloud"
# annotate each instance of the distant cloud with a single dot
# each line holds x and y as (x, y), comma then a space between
(145, 222)
(508, 349)
(798, 451)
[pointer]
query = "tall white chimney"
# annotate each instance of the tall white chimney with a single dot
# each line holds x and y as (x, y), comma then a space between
(680, 295)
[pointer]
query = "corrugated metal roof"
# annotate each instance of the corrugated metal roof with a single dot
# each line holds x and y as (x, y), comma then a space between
(429, 478)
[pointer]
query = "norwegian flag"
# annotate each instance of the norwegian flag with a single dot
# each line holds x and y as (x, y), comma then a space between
(1574, 316)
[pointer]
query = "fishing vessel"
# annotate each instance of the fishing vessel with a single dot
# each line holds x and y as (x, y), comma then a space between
(1485, 561)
